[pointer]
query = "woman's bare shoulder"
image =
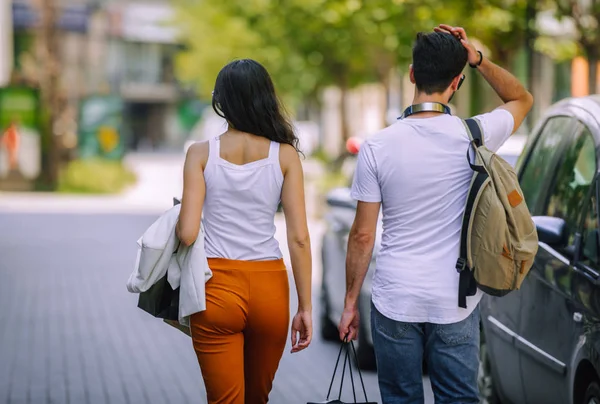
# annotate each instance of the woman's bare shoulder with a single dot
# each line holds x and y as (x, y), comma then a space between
(288, 152)
(288, 156)
(198, 149)
(198, 152)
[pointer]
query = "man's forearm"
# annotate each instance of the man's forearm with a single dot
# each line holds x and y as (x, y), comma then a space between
(506, 85)
(360, 251)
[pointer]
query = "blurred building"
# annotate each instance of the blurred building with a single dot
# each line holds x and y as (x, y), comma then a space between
(6, 42)
(140, 68)
(73, 22)
(118, 48)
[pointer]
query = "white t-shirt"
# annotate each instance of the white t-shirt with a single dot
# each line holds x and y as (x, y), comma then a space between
(418, 169)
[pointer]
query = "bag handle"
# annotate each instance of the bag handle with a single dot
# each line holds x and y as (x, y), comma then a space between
(345, 344)
(359, 372)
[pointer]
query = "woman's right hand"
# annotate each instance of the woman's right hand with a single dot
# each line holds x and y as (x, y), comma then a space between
(302, 330)
(294, 209)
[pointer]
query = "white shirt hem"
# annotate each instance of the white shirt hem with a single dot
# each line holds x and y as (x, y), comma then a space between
(472, 303)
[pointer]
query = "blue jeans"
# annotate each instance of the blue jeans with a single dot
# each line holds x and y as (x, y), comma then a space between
(451, 352)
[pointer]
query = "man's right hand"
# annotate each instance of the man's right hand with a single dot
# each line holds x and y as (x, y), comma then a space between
(461, 35)
(349, 323)
(517, 100)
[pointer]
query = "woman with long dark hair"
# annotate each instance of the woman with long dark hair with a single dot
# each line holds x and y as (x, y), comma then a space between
(235, 182)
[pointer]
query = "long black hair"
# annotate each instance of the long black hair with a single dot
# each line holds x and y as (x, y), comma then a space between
(245, 96)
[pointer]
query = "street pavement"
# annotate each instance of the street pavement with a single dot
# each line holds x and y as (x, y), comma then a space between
(71, 333)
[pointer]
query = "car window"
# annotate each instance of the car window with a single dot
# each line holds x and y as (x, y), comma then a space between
(572, 183)
(539, 163)
(591, 241)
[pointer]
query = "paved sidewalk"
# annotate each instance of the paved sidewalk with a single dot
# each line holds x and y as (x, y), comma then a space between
(160, 178)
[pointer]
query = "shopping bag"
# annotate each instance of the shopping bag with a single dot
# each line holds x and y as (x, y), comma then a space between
(161, 300)
(347, 347)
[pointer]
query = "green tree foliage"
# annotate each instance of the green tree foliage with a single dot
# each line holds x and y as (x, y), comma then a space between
(309, 44)
(304, 43)
(500, 25)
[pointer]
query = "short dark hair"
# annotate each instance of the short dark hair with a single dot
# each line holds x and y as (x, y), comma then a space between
(245, 96)
(437, 59)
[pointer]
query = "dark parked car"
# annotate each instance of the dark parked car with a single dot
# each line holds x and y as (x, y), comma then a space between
(541, 344)
(339, 218)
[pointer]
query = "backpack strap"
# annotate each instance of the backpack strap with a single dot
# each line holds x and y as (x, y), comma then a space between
(474, 131)
(467, 285)
(475, 135)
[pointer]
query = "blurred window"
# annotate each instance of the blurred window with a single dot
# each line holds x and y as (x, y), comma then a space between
(572, 182)
(539, 164)
(591, 239)
(143, 62)
(23, 43)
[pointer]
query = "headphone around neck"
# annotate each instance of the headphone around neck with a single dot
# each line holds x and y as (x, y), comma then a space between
(426, 107)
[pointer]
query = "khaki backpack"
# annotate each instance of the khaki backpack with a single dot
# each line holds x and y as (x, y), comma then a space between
(498, 239)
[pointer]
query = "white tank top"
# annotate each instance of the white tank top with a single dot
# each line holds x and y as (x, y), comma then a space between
(240, 206)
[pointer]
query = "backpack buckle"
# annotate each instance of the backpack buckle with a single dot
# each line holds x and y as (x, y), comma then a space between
(461, 265)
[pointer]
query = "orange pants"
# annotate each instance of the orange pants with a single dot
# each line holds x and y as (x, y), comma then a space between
(240, 337)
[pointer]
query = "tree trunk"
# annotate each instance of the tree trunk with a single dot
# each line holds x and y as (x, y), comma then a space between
(476, 95)
(530, 36)
(593, 69)
(49, 85)
(385, 81)
(384, 76)
(344, 128)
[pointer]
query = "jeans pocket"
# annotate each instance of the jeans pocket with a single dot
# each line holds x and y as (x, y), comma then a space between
(388, 327)
(461, 332)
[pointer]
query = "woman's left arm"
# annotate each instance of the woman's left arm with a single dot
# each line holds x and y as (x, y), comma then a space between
(194, 191)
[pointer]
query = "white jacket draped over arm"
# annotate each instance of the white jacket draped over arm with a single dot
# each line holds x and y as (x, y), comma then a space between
(186, 269)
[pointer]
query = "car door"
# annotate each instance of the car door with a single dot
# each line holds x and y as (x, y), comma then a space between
(550, 322)
(502, 316)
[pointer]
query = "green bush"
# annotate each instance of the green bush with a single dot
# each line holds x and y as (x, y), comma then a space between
(95, 176)
(321, 155)
(332, 179)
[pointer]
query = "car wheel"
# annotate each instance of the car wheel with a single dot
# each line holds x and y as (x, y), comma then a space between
(329, 331)
(485, 381)
(592, 394)
(364, 351)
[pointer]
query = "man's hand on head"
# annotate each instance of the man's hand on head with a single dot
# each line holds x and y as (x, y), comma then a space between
(461, 35)
(517, 100)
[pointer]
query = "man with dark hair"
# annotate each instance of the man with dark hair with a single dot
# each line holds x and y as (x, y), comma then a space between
(438, 58)
(417, 170)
